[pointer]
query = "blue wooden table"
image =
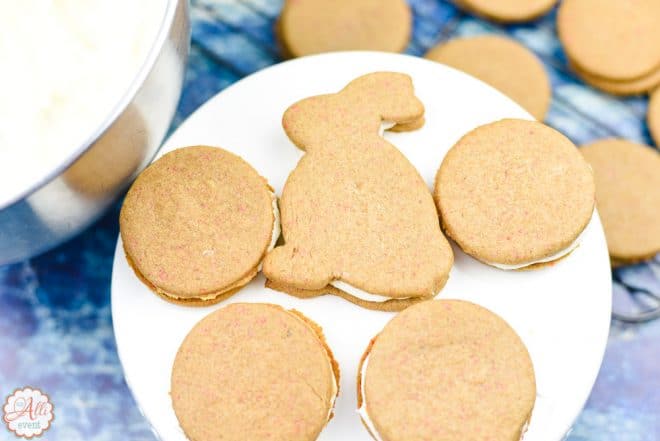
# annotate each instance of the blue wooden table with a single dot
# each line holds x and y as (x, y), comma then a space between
(55, 321)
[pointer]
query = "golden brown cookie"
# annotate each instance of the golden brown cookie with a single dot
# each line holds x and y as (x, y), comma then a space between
(514, 193)
(653, 116)
(113, 159)
(254, 372)
(316, 26)
(356, 214)
(508, 11)
(627, 196)
(446, 370)
(622, 88)
(502, 63)
(612, 39)
(196, 224)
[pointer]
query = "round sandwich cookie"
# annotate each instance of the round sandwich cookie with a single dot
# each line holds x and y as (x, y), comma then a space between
(653, 116)
(636, 86)
(196, 224)
(316, 26)
(628, 197)
(502, 63)
(446, 370)
(515, 194)
(253, 371)
(612, 39)
(508, 11)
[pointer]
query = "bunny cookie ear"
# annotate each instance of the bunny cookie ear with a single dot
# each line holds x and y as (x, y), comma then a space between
(390, 93)
(305, 121)
(357, 110)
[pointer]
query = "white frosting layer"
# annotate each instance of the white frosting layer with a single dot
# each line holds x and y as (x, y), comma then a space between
(385, 125)
(276, 224)
(276, 229)
(361, 294)
(556, 256)
(363, 409)
(524, 430)
(334, 390)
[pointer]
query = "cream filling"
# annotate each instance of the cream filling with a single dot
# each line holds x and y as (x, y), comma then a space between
(370, 424)
(276, 224)
(385, 125)
(558, 255)
(363, 409)
(276, 229)
(361, 294)
(524, 430)
(334, 390)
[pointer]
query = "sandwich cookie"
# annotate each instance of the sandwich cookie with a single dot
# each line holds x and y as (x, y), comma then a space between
(653, 116)
(515, 194)
(358, 220)
(636, 86)
(611, 39)
(502, 63)
(254, 372)
(446, 370)
(508, 11)
(196, 224)
(316, 26)
(628, 197)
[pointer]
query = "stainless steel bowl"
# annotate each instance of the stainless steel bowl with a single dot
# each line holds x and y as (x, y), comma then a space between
(82, 187)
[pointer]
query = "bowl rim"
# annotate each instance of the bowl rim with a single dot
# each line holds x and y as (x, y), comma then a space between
(119, 107)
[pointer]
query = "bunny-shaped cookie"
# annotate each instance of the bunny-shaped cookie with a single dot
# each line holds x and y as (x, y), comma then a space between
(357, 218)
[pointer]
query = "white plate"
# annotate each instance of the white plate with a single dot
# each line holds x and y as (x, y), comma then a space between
(562, 313)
